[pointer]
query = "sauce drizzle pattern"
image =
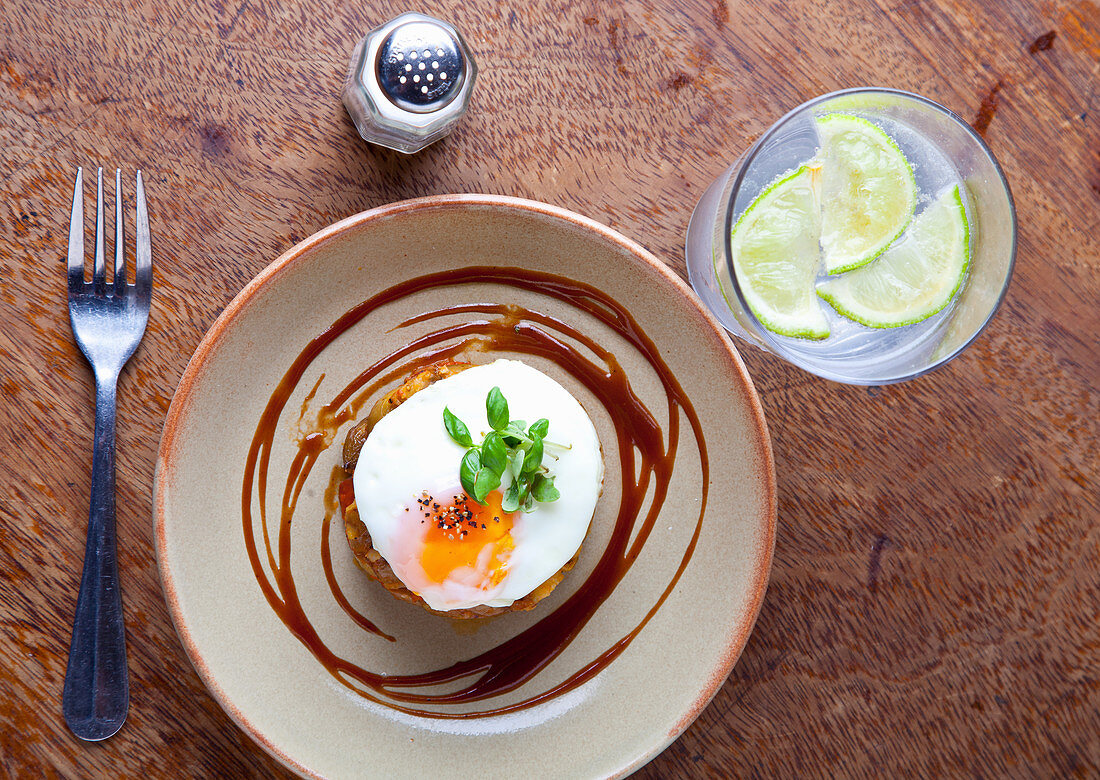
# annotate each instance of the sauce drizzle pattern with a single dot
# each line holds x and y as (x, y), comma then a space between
(646, 466)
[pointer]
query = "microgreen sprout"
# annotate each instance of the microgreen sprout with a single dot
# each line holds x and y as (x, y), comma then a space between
(511, 446)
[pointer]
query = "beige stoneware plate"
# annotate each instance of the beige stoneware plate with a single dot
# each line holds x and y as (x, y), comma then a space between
(270, 683)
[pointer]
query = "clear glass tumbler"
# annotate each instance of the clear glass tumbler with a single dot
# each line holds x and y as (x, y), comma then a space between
(942, 149)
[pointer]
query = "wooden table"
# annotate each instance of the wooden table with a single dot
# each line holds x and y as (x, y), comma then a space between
(934, 605)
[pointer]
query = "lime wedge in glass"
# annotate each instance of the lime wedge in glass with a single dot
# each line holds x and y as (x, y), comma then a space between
(776, 255)
(868, 191)
(913, 279)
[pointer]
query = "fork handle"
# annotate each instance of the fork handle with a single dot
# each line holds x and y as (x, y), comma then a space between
(97, 688)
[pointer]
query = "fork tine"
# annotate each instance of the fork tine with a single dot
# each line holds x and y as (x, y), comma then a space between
(99, 275)
(119, 281)
(143, 256)
(76, 236)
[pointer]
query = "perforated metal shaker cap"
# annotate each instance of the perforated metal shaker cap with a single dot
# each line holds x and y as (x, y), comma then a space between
(409, 82)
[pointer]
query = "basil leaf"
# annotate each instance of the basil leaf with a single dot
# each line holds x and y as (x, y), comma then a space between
(467, 472)
(485, 483)
(511, 498)
(533, 460)
(514, 434)
(542, 488)
(529, 504)
(539, 428)
(457, 429)
(494, 455)
(517, 463)
(496, 408)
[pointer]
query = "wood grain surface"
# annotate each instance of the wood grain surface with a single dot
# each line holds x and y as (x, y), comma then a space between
(934, 607)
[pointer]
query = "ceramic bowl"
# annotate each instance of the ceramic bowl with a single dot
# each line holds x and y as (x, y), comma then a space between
(270, 683)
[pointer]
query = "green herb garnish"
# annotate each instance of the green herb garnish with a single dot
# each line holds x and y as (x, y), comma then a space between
(510, 447)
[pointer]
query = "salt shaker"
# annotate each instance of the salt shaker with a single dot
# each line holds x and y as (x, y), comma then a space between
(409, 82)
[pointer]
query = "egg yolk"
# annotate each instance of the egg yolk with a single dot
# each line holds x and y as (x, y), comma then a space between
(466, 538)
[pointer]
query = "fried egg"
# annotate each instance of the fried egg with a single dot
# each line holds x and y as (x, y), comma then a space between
(443, 545)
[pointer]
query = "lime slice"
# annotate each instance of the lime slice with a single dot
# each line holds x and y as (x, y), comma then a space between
(776, 255)
(913, 279)
(868, 191)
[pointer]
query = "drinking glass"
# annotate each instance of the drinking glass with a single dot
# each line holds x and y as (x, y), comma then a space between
(942, 149)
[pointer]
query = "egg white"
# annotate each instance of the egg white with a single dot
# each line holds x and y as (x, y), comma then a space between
(409, 453)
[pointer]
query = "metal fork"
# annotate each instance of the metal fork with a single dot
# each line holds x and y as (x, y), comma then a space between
(108, 321)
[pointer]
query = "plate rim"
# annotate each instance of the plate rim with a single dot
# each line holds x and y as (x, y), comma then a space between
(740, 633)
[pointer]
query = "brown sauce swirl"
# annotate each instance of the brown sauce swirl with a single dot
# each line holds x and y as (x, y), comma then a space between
(646, 463)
